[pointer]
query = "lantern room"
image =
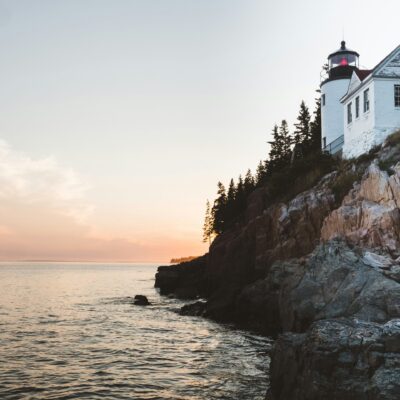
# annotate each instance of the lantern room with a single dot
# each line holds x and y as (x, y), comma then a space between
(342, 62)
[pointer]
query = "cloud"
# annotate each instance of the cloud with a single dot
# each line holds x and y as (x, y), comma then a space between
(29, 180)
(44, 215)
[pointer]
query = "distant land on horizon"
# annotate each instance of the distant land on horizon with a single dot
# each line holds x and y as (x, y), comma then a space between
(182, 259)
(80, 261)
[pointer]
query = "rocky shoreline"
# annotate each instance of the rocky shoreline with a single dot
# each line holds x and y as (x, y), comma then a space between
(320, 275)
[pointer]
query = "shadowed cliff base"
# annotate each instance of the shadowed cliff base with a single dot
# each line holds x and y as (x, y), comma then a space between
(321, 271)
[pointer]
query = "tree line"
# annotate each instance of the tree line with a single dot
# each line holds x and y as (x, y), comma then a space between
(285, 149)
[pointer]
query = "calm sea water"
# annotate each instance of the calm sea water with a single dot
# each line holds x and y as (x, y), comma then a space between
(70, 331)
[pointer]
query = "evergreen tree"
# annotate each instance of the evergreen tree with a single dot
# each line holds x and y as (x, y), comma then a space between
(240, 186)
(248, 182)
(280, 153)
(230, 202)
(240, 200)
(286, 142)
(315, 127)
(275, 151)
(302, 134)
(218, 211)
(231, 192)
(260, 173)
(266, 168)
(229, 206)
(208, 225)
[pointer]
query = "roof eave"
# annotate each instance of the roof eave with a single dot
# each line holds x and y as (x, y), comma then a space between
(373, 74)
(362, 84)
(343, 52)
(381, 63)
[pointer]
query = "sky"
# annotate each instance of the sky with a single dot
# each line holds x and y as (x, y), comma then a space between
(119, 117)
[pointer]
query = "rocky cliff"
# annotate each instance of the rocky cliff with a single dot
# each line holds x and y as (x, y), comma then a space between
(321, 272)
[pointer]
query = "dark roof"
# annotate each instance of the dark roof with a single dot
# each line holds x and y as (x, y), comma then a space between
(362, 73)
(343, 50)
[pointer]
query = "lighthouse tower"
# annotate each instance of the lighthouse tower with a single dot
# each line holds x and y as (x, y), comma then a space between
(341, 65)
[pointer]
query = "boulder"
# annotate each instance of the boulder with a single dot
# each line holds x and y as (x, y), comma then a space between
(338, 360)
(196, 309)
(140, 300)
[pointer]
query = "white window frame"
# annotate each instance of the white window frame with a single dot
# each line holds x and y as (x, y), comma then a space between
(357, 106)
(396, 90)
(349, 113)
(366, 101)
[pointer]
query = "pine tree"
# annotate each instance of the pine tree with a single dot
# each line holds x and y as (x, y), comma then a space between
(266, 168)
(218, 211)
(231, 192)
(229, 206)
(302, 134)
(240, 186)
(275, 151)
(240, 200)
(230, 203)
(280, 153)
(286, 141)
(208, 225)
(315, 127)
(248, 182)
(260, 173)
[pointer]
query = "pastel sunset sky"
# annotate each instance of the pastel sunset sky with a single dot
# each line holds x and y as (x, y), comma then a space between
(118, 117)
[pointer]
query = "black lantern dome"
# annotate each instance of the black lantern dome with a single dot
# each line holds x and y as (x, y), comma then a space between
(342, 62)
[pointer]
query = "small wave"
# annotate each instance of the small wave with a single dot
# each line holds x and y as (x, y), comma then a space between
(89, 343)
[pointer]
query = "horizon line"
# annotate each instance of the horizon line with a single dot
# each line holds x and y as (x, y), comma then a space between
(84, 261)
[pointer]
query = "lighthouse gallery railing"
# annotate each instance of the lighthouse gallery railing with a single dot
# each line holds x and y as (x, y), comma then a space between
(335, 146)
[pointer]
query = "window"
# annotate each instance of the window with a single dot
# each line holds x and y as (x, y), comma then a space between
(349, 115)
(324, 142)
(323, 99)
(397, 95)
(357, 106)
(341, 60)
(366, 100)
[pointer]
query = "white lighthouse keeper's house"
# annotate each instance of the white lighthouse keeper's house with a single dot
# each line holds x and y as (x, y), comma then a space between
(359, 108)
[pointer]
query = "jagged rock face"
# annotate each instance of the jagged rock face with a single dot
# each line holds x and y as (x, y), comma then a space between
(338, 360)
(339, 306)
(338, 283)
(185, 280)
(333, 282)
(292, 230)
(369, 215)
(345, 305)
(282, 231)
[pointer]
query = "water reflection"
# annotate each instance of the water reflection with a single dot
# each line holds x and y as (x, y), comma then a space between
(71, 331)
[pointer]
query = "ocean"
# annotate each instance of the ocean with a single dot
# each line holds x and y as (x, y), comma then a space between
(71, 331)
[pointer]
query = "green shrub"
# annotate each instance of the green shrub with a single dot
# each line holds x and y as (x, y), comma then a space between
(344, 183)
(393, 139)
(386, 165)
(302, 175)
(367, 157)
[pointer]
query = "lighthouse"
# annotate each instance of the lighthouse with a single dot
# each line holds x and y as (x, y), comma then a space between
(341, 65)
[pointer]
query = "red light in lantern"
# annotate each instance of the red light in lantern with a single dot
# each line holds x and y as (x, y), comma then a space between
(344, 62)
